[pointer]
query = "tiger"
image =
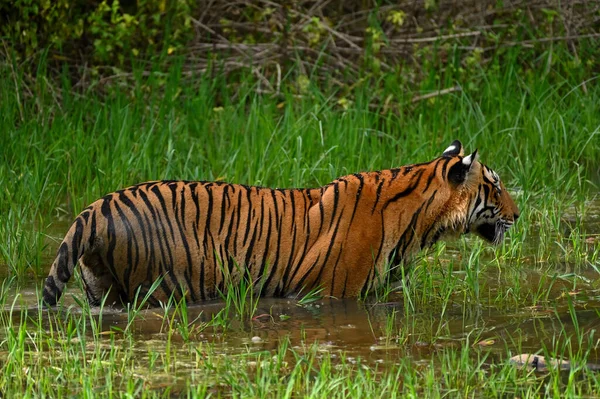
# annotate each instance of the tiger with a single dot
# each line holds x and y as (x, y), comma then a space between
(191, 239)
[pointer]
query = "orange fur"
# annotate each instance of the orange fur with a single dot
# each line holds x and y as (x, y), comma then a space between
(197, 236)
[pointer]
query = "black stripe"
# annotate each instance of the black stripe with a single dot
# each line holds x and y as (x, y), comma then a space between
(163, 205)
(190, 263)
(288, 281)
(265, 257)
(209, 209)
(209, 241)
(261, 219)
(196, 202)
(322, 212)
(293, 205)
(478, 201)
(331, 242)
(406, 239)
(345, 285)
(110, 233)
(62, 263)
(163, 243)
(249, 217)
(238, 216)
(250, 249)
(224, 198)
(357, 199)
(377, 195)
(432, 175)
(131, 237)
(93, 229)
(276, 209)
(335, 268)
(381, 241)
(231, 221)
(283, 281)
(134, 209)
(433, 225)
(85, 215)
(414, 182)
(336, 199)
(182, 213)
(193, 187)
(76, 247)
(275, 265)
(51, 291)
(445, 167)
(310, 269)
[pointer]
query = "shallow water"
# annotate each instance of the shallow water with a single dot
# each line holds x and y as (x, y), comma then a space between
(373, 332)
(383, 333)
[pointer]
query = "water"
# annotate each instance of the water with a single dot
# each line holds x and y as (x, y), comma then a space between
(379, 333)
(376, 333)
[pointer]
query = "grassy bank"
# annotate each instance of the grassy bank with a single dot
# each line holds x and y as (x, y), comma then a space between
(538, 127)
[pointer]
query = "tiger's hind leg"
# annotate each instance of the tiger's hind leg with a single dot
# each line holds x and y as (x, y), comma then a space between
(98, 281)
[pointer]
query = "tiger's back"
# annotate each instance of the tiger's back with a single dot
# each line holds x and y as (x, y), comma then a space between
(197, 237)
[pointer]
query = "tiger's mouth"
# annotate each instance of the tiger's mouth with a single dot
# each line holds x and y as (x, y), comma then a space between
(493, 232)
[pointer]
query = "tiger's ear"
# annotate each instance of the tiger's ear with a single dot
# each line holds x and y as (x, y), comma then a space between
(455, 149)
(460, 171)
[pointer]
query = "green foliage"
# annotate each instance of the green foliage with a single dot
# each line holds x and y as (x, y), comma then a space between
(114, 30)
(345, 41)
(32, 25)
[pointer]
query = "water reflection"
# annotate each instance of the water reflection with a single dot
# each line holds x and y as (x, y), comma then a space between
(380, 333)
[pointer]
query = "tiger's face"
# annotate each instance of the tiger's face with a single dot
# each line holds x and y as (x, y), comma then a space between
(490, 210)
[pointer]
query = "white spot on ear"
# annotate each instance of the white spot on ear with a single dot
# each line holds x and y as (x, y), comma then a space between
(467, 160)
(450, 149)
(455, 149)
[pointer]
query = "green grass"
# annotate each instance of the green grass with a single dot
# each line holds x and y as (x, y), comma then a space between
(540, 131)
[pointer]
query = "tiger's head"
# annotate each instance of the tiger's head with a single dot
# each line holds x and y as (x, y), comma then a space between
(490, 210)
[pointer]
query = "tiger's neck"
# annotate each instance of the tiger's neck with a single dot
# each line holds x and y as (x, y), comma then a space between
(418, 210)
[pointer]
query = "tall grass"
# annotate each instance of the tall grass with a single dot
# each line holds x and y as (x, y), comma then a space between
(541, 135)
(538, 128)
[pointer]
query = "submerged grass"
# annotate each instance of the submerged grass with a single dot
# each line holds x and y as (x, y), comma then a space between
(464, 308)
(70, 353)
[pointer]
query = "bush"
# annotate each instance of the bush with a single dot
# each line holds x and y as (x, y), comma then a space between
(105, 32)
(333, 42)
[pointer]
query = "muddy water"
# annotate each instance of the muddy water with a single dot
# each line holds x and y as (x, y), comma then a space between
(376, 333)
(383, 333)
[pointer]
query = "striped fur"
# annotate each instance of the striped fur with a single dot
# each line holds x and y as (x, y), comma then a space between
(195, 236)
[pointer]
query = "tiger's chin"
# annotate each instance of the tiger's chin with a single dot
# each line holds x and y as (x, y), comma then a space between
(492, 232)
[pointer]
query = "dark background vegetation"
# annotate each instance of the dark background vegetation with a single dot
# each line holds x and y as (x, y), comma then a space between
(341, 44)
